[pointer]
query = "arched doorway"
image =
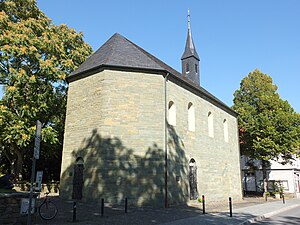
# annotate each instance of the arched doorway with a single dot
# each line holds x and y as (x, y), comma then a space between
(193, 179)
(78, 179)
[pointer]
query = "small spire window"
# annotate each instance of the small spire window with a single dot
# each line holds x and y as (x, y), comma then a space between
(187, 68)
(196, 68)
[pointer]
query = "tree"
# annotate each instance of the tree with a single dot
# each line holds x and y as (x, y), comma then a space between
(269, 127)
(35, 58)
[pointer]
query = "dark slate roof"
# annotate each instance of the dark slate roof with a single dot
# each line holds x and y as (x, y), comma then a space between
(190, 49)
(119, 52)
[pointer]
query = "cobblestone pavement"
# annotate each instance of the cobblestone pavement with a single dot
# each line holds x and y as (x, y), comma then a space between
(90, 214)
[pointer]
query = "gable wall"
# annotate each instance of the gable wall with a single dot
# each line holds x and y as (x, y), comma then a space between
(114, 121)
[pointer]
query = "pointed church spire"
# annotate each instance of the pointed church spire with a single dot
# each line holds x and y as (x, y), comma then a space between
(190, 49)
(190, 59)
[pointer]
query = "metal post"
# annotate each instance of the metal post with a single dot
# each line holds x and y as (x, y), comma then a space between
(125, 205)
(230, 207)
(36, 155)
(266, 196)
(283, 200)
(102, 206)
(203, 204)
(31, 191)
(74, 211)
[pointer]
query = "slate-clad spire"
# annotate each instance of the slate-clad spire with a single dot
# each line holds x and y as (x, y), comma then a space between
(190, 59)
(190, 49)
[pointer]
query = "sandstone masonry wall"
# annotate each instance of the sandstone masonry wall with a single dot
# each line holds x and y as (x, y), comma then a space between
(116, 123)
(217, 161)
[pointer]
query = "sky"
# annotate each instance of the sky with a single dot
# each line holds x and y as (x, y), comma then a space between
(232, 37)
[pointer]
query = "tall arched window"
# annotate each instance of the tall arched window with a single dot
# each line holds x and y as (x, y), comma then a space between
(191, 117)
(172, 113)
(210, 124)
(225, 127)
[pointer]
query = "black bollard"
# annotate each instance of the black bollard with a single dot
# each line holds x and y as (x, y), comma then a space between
(74, 212)
(203, 204)
(230, 207)
(283, 200)
(125, 205)
(102, 206)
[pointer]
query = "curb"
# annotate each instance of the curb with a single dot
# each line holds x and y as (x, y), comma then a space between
(268, 215)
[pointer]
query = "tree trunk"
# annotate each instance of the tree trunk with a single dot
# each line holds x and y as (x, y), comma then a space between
(17, 164)
(265, 179)
(9, 158)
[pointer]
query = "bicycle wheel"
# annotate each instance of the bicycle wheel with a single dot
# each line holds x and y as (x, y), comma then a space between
(47, 210)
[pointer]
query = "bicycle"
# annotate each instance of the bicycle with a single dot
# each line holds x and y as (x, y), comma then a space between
(47, 209)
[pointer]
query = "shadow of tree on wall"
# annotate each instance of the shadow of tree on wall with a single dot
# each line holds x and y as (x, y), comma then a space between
(177, 167)
(113, 172)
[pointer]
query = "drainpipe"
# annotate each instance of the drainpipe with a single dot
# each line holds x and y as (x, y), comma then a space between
(166, 144)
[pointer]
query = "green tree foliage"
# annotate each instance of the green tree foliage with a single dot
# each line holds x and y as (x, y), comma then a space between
(269, 127)
(35, 58)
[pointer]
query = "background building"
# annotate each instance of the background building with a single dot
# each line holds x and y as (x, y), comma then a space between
(287, 175)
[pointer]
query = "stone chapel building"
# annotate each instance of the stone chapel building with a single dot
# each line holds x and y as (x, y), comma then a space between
(146, 132)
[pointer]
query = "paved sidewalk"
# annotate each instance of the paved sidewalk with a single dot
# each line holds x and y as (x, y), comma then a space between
(241, 216)
(243, 212)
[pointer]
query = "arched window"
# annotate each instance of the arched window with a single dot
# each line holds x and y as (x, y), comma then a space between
(210, 124)
(187, 68)
(172, 113)
(191, 117)
(196, 68)
(225, 127)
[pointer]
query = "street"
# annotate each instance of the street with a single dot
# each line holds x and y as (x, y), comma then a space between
(290, 217)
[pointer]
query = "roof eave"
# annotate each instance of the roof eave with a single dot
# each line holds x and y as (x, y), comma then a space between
(191, 55)
(85, 73)
(102, 67)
